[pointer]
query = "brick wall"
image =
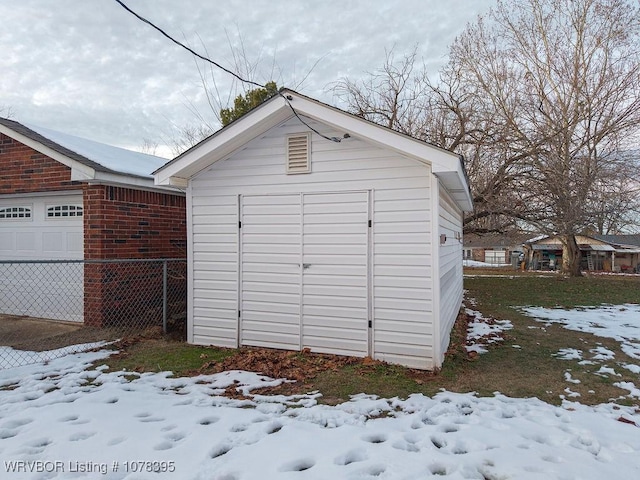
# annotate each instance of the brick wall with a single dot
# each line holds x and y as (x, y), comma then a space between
(24, 170)
(124, 223)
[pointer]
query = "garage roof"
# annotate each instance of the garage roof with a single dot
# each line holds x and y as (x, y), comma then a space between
(447, 166)
(87, 159)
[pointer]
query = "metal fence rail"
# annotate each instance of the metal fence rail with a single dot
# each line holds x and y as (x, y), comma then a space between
(50, 308)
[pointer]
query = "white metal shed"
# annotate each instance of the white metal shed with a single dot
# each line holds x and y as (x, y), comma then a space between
(348, 246)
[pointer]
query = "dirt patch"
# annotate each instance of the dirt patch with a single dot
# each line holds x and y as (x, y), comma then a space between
(38, 335)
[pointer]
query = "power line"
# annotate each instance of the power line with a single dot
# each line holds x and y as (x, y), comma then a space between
(230, 72)
(193, 52)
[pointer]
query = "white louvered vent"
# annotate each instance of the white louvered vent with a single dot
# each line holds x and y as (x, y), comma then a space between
(299, 153)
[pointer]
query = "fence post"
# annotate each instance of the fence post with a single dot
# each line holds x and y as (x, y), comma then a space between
(164, 296)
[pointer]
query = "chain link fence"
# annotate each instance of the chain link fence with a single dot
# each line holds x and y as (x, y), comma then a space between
(51, 308)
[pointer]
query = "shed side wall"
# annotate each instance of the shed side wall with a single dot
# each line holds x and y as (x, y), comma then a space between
(450, 219)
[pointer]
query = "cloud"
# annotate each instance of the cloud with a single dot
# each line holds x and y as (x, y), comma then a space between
(91, 69)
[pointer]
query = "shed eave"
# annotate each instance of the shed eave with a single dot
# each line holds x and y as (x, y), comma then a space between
(136, 182)
(443, 163)
(223, 142)
(456, 184)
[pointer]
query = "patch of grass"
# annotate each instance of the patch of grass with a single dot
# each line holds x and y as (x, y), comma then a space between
(164, 355)
(381, 379)
(533, 370)
(554, 291)
(530, 370)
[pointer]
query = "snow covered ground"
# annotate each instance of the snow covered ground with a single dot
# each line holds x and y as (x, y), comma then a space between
(620, 322)
(71, 418)
(483, 331)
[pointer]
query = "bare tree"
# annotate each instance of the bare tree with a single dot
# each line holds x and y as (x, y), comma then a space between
(446, 112)
(222, 98)
(563, 77)
(541, 97)
(6, 111)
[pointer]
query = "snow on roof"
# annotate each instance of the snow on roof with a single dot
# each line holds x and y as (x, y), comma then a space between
(537, 238)
(117, 159)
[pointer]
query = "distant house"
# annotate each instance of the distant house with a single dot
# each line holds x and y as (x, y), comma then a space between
(493, 248)
(626, 256)
(618, 253)
(68, 198)
(312, 228)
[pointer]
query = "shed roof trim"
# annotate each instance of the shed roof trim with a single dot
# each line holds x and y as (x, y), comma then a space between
(446, 165)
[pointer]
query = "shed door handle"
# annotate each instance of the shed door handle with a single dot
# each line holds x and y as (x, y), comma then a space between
(305, 266)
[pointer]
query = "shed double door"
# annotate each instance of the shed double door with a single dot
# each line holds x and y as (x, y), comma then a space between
(304, 272)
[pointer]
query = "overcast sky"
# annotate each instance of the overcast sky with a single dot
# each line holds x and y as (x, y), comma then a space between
(89, 68)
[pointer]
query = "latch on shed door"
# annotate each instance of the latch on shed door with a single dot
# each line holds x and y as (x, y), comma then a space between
(305, 266)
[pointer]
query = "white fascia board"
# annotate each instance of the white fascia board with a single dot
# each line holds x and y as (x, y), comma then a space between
(444, 164)
(439, 159)
(223, 143)
(137, 183)
(79, 171)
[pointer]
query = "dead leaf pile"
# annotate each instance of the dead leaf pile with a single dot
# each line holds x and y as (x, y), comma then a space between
(298, 366)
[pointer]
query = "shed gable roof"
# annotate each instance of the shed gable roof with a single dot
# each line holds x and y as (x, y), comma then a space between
(446, 165)
(87, 159)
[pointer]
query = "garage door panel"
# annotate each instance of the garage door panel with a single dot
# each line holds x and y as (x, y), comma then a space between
(45, 290)
(26, 242)
(7, 243)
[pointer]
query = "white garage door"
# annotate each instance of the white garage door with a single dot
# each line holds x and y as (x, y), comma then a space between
(42, 228)
(304, 272)
(495, 257)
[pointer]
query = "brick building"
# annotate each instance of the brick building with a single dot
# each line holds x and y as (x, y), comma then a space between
(67, 198)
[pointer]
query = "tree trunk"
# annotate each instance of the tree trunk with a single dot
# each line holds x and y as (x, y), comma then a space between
(570, 256)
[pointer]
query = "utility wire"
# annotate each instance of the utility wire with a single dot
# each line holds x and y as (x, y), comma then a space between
(230, 72)
(152, 25)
